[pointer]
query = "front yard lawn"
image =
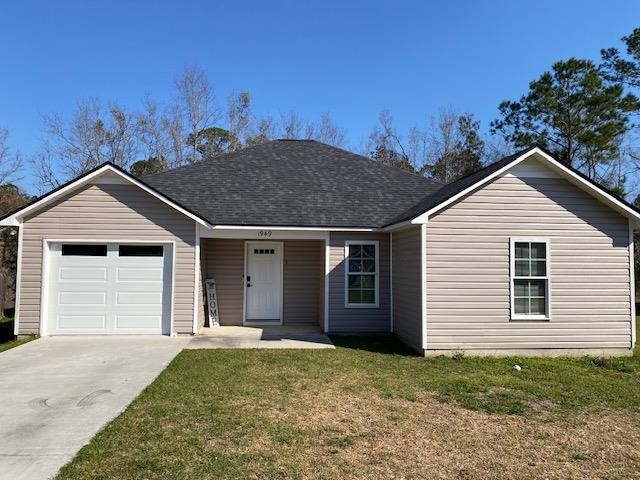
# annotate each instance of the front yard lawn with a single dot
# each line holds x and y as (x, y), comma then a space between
(370, 409)
(7, 338)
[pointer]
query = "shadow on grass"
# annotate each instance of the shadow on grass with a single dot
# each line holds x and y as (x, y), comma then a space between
(6, 330)
(386, 344)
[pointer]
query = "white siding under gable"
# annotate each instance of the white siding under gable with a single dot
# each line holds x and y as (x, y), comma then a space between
(468, 286)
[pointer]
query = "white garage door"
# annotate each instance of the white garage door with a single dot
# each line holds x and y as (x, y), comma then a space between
(109, 288)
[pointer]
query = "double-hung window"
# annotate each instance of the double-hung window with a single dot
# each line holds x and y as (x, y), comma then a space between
(530, 281)
(361, 273)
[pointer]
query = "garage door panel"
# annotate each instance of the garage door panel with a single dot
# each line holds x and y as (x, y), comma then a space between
(128, 290)
(72, 298)
(139, 274)
(139, 321)
(138, 298)
(86, 274)
(81, 322)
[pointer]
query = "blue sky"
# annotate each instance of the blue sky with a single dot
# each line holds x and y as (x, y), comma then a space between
(351, 59)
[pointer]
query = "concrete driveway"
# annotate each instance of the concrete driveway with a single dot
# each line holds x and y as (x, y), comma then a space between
(57, 392)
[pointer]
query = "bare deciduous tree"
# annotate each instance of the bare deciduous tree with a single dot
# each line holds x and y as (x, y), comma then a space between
(44, 169)
(265, 129)
(10, 161)
(417, 142)
(239, 118)
(326, 131)
(197, 102)
(291, 125)
(176, 134)
(94, 135)
(154, 137)
(453, 147)
(385, 144)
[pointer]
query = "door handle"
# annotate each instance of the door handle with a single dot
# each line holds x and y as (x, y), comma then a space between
(248, 280)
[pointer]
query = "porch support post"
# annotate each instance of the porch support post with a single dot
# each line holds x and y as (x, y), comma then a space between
(196, 278)
(327, 268)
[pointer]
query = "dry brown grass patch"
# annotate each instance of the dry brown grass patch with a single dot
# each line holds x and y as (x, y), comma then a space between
(370, 436)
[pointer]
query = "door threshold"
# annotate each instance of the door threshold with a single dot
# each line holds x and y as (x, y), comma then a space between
(264, 323)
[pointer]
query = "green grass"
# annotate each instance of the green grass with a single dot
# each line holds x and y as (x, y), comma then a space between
(321, 414)
(7, 338)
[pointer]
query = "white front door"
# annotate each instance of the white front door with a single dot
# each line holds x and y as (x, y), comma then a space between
(107, 288)
(263, 282)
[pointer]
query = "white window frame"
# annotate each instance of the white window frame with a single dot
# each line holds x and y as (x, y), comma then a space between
(512, 277)
(376, 274)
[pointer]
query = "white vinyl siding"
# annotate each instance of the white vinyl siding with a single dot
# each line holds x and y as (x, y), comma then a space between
(468, 271)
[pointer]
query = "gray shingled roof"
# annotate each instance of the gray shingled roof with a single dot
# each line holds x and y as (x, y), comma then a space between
(300, 183)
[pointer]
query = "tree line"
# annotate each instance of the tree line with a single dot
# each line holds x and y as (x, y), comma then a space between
(584, 112)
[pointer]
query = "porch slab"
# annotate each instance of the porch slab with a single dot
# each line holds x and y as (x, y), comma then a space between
(261, 337)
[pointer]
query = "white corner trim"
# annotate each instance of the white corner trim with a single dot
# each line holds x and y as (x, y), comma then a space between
(327, 272)
(16, 312)
(555, 164)
(376, 275)
(632, 285)
(423, 282)
(44, 287)
(174, 256)
(16, 218)
(197, 276)
(391, 282)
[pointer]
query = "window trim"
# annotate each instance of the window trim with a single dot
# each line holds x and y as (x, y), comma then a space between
(376, 274)
(512, 277)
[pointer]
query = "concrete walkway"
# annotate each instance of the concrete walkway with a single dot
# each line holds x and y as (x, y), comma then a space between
(261, 337)
(57, 392)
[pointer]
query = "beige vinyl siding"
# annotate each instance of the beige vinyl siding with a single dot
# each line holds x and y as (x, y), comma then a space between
(407, 300)
(468, 296)
(357, 320)
(112, 212)
(223, 261)
(303, 281)
(303, 270)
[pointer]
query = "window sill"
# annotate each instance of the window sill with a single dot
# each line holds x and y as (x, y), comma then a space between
(361, 305)
(533, 318)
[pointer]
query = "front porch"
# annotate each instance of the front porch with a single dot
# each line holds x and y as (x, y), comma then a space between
(274, 282)
(297, 336)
